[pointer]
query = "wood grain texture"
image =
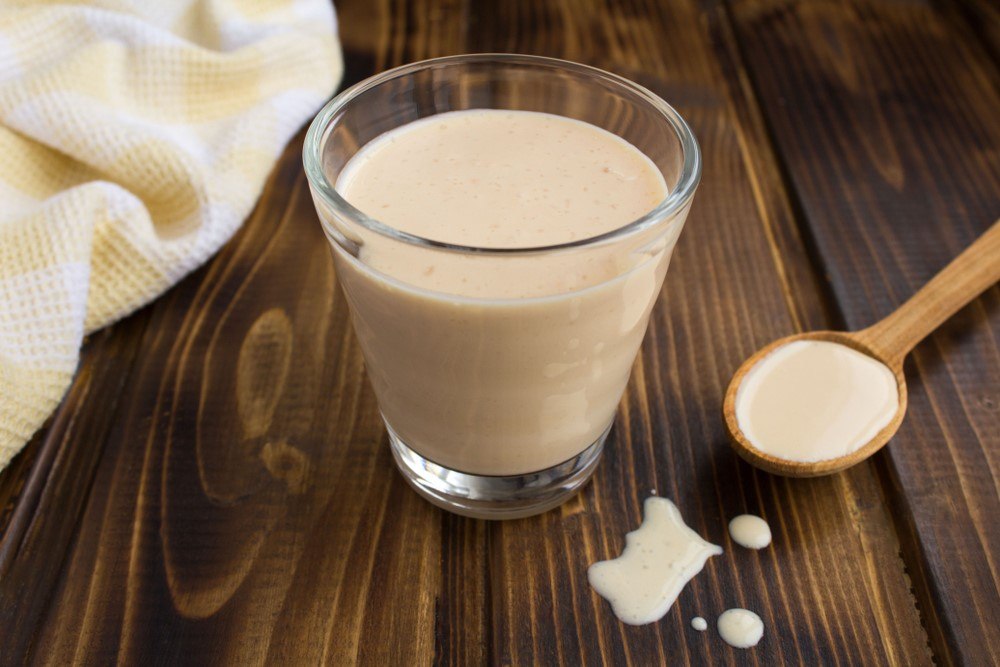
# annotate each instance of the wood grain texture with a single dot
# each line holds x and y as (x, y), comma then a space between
(731, 286)
(243, 507)
(886, 121)
(982, 18)
(248, 466)
(965, 278)
(55, 491)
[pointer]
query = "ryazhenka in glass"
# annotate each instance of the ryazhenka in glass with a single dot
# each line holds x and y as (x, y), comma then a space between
(498, 397)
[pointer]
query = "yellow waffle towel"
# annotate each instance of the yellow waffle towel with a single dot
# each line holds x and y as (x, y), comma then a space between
(135, 137)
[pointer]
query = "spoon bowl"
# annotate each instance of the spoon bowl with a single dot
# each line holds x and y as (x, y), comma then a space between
(888, 342)
(788, 468)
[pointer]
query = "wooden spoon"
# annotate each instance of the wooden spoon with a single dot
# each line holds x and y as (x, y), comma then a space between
(888, 341)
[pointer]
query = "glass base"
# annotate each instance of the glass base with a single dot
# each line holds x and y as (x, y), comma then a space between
(496, 497)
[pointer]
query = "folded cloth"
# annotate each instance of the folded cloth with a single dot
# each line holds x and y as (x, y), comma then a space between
(135, 137)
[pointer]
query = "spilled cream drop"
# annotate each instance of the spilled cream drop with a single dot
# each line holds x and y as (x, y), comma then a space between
(750, 531)
(658, 561)
(740, 628)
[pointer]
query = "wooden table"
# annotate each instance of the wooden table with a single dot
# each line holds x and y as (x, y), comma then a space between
(217, 487)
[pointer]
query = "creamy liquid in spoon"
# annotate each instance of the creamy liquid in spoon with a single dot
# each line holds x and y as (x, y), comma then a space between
(750, 531)
(812, 400)
(659, 559)
(740, 628)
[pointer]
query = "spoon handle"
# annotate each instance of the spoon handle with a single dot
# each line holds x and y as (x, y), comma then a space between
(966, 277)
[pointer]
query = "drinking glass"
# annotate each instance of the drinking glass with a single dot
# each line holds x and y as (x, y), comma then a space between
(499, 405)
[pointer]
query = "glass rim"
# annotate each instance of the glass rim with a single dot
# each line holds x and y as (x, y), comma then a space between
(678, 197)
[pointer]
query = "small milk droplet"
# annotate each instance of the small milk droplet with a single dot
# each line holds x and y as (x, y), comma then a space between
(750, 531)
(740, 628)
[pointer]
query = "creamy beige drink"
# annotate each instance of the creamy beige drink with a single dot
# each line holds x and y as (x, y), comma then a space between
(501, 364)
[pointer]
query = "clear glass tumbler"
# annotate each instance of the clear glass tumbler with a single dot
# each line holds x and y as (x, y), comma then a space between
(498, 407)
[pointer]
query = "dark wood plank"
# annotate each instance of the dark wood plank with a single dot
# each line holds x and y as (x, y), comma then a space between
(982, 18)
(14, 478)
(248, 479)
(886, 119)
(55, 490)
(244, 508)
(833, 588)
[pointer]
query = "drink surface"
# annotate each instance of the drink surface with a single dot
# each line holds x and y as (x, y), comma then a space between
(497, 364)
(489, 178)
(502, 179)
